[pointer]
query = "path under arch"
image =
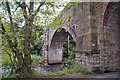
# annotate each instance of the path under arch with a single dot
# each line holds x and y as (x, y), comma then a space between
(56, 47)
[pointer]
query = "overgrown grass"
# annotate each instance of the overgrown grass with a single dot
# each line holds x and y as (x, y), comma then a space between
(5, 60)
(37, 59)
(66, 71)
(71, 69)
(6, 65)
(12, 76)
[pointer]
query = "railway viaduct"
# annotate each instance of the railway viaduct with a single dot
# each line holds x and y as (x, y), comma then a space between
(95, 29)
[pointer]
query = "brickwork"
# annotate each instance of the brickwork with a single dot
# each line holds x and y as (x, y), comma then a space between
(95, 29)
(110, 38)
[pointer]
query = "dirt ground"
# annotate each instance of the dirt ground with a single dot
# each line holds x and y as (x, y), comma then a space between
(100, 75)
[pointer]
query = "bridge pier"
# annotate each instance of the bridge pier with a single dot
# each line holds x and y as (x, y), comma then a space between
(55, 56)
(89, 60)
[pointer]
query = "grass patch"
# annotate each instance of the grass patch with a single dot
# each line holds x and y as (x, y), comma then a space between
(72, 69)
(37, 59)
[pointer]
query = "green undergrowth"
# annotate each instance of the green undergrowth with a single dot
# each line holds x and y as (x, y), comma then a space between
(69, 70)
(36, 59)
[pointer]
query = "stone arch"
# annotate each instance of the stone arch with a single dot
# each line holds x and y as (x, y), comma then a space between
(68, 29)
(56, 45)
(110, 54)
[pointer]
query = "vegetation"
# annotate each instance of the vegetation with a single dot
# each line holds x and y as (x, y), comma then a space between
(6, 67)
(22, 26)
(69, 55)
(20, 22)
(36, 44)
(37, 60)
(70, 69)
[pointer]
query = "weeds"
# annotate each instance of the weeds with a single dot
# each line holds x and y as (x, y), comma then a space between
(37, 59)
(69, 70)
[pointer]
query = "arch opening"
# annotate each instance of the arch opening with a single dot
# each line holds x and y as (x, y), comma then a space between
(56, 47)
(69, 49)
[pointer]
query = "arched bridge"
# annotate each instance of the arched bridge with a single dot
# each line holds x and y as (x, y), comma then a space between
(95, 29)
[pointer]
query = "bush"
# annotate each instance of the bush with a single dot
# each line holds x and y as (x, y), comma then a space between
(71, 53)
(36, 43)
(73, 69)
(6, 65)
(37, 59)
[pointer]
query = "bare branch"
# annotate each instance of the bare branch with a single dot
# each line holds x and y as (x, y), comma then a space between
(20, 5)
(3, 29)
(10, 16)
(41, 4)
(23, 6)
(27, 7)
(15, 10)
(31, 10)
(31, 7)
(12, 25)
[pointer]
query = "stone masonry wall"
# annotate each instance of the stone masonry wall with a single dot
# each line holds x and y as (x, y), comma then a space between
(107, 26)
(95, 29)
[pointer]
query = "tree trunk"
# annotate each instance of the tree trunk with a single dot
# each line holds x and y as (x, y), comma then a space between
(23, 67)
(27, 72)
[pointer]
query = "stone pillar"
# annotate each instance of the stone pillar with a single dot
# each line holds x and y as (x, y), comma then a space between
(55, 56)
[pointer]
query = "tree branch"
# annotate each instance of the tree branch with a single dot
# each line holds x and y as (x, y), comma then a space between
(23, 6)
(15, 9)
(41, 4)
(11, 44)
(31, 7)
(20, 5)
(10, 57)
(31, 10)
(10, 16)
(3, 29)
(12, 25)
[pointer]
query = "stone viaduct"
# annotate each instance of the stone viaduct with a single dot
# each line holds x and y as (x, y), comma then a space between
(95, 29)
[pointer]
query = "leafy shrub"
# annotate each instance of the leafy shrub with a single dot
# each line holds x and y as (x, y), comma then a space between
(36, 43)
(37, 59)
(73, 69)
(71, 53)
